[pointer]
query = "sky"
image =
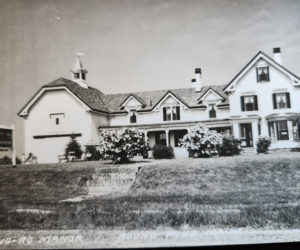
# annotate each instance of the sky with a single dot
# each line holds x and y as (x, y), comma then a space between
(135, 45)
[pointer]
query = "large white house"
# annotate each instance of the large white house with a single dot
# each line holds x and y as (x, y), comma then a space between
(262, 99)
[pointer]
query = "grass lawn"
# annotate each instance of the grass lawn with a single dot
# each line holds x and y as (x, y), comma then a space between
(228, 192)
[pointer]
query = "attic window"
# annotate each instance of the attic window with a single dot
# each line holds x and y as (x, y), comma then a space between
(262, 74)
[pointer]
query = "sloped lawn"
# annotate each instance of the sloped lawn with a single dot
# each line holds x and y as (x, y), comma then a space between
(244, 191)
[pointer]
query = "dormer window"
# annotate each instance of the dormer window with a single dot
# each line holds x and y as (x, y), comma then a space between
(132, 116)
(212, 111)
(281, 100)
(249, 103)
(262, 74)
(171, 113)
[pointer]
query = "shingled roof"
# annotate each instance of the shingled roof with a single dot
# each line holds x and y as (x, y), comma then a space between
(110, 104)
(150, 98)
(92, 97)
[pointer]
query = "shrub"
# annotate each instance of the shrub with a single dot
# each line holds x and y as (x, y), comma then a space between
(163, 152)
(6, 160)
(263, 144)
(94, 153)
(74, 146)
(200, 141)
(121, 145)
(230, 146)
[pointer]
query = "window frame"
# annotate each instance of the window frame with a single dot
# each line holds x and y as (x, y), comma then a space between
(244, 106)
(171, 113)
(132, 116)
(287, 100)
(258, 76)
(212, 113)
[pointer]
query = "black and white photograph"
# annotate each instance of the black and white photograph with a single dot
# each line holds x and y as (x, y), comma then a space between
(149, 123)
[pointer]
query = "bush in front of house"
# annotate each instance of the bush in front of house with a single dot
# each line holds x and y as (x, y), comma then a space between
(74, 148)
(93, 154)
(121, 145)
(163, 152)
(201, 142)
(230, 146)
(6, 160)
(263, 144)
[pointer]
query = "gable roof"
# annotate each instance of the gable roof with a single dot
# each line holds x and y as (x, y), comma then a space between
(91, 97)
(97, 101)
(259, 55)
(135, 97)
(211, 90)
(188, 96)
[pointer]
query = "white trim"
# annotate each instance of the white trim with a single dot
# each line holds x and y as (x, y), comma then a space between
(260, 56)
(157, 106)
(210, 90)
(130, 97)
(25, 110)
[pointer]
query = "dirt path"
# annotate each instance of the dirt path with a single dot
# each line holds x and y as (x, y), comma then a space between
(153, 238)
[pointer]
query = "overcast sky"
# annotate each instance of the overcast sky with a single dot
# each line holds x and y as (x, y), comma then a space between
(136, 45)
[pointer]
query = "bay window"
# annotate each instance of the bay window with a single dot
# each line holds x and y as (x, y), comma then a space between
(278, 130)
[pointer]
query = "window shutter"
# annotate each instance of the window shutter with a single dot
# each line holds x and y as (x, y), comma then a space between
(274, 101)
(288, 102)
(257, 76)
(242, 103)
(255, 102)
(178, 112)
(165, 113)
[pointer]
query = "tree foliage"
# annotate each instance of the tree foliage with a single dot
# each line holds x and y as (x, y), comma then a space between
(121, 145)
(201, 142)
(74, 146)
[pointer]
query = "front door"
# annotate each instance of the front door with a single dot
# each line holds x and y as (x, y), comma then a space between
(246, 135)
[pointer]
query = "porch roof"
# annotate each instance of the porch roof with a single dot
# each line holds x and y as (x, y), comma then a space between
(216, 122)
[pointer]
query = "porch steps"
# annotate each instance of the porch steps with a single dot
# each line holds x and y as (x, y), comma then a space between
(248, 151)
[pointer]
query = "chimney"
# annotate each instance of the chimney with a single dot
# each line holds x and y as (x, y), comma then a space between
(196, 82)
(277, 55)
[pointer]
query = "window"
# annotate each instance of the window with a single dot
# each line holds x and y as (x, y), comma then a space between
(132, 116)
(83, 75)
(281, 130)
(212, 111)
(281, 100)
(57, 118)
(171, 113)
(249, 103)
(76, 75)
(262, 74)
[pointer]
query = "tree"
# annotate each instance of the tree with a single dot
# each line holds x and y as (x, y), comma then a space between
(73, 146)
(201, 142)
(121, 145)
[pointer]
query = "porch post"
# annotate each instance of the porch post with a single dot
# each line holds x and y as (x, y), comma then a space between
(254, 132)
(167, 137)
(290, 130)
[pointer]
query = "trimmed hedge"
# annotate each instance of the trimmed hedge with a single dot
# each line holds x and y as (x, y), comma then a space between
(163, 152)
